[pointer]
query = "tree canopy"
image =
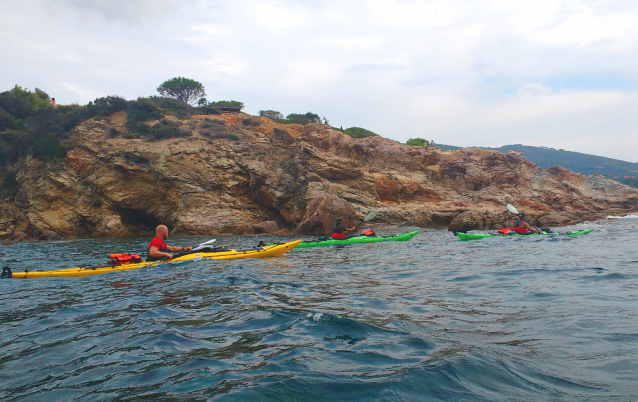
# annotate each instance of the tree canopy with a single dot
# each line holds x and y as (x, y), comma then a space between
(304, 119)
(271, 114)
(184, 89)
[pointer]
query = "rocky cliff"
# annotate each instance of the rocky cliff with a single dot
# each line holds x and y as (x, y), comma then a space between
(231, 175)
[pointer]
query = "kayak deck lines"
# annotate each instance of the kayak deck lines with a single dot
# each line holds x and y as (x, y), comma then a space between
(259, 252)
(358, 240)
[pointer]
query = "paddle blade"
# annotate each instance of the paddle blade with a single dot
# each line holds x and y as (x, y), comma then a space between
(207, 242)
(371, 215)
(511, 208)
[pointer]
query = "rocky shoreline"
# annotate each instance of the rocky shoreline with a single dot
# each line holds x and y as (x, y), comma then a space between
(281, 178)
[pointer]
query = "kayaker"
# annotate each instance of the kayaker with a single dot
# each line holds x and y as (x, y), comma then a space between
(522, 227)
(157, 249)
(339, 232)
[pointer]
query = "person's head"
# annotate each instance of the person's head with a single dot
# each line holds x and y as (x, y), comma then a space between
(162, 232)
(521, 216)
(338, 221)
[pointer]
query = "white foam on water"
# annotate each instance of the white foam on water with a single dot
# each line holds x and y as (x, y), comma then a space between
(315, 317)
(623, 217)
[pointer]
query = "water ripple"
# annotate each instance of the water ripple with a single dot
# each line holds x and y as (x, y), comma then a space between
(435, 319)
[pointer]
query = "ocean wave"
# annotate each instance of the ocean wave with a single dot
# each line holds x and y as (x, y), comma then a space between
(622, 217)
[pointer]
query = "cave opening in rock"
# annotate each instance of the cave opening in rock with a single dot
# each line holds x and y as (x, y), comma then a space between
(139, 221)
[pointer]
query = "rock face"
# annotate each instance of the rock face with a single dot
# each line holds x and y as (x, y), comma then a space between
(322, 213)
(49, 235)
(266, 227)
(292, 175)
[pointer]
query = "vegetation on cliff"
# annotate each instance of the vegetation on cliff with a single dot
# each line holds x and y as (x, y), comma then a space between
(357, 132)
(419, 142)
(31, 125)
(293, 118)
(306, 118)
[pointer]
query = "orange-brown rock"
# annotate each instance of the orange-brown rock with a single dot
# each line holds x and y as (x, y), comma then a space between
(266, 227)
(322, 213)
(217, 184)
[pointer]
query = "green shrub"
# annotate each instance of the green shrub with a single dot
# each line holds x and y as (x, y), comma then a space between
(8, 122)
(210, 123)
(143, 109)
(358, 132)
(218, 129)
(166, 129)
(175, 107)
(417, 142)
(251, 122)
(207, 110)
(227, 104)
(105, 106)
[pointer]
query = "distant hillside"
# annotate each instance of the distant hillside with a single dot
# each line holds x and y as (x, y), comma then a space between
(575, 161)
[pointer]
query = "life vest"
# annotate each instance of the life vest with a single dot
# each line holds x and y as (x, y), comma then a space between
(125, 258)
(518, 229)
(505, 231)
(367, 232)
(338, 236)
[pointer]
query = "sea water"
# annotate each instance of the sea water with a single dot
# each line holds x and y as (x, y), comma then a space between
(524, 318)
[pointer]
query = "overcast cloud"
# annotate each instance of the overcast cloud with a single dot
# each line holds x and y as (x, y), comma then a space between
(488, 73)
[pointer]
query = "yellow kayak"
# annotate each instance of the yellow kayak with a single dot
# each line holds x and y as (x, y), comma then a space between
(261, 252)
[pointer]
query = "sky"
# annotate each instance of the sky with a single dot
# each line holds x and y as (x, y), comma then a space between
(559, 74)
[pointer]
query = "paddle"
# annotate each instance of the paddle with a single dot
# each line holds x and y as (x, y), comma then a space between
(513, 210)
(371, 215)
(184, 252)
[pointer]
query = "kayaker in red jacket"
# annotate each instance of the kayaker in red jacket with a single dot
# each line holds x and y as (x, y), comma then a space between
(522, 227)
(157, 249)
(339, 232)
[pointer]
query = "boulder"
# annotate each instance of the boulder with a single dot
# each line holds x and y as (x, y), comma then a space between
(265, 227)
(20, 236)
(7, 242)
(322, 212)
(49, 235)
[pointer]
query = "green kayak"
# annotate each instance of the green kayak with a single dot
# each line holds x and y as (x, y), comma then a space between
(358, 239)
(478, 236)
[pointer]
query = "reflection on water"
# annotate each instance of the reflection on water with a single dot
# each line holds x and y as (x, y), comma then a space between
(434, 318)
